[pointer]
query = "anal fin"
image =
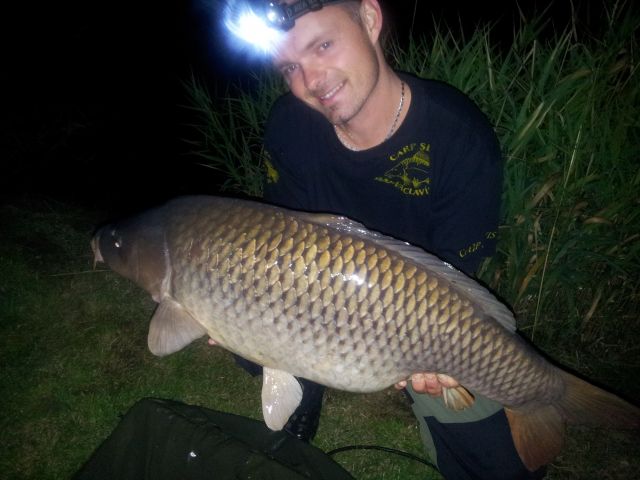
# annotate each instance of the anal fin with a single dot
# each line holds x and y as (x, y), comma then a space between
(538, 434)
(172, 328)
(281, 395)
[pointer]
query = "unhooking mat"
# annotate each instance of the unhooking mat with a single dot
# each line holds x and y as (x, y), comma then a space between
(167, 440)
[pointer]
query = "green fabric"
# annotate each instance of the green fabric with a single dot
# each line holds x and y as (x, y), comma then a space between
(166, 440)
(430, 406)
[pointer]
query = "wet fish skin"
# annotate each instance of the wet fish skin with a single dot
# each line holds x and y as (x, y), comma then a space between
(338, 309)
(322, 297)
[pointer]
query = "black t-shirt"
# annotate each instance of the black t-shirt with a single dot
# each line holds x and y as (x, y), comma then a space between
(435, 183)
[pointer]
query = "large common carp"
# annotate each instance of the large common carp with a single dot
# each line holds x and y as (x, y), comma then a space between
(322, 297)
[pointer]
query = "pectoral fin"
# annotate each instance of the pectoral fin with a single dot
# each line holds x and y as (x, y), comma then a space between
(172, 328)
(281, 395)
(458, 398)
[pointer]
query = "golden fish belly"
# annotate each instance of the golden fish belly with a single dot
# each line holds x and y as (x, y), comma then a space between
(338, 307)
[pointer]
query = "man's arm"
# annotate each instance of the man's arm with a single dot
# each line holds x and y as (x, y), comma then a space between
(286, 184)
(466, 212)
(466, 218)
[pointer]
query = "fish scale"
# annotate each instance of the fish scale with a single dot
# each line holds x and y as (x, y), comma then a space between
(321, 297)
(376, 314)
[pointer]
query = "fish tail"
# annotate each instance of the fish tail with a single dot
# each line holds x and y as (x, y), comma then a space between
(538, 431)
(584, 403)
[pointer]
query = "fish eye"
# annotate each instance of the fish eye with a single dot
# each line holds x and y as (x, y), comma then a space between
(117, 239)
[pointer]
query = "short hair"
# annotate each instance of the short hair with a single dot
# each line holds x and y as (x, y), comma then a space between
(352, 7)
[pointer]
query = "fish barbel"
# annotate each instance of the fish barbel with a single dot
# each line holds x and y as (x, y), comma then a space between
(322, 297)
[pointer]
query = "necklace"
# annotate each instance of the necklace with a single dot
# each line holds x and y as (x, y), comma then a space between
(345, 140)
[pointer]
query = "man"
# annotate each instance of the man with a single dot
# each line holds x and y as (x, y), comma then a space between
(410, 158)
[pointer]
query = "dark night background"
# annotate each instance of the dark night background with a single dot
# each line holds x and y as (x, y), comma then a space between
(92, 95)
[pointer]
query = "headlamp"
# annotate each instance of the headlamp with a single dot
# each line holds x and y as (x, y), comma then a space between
(262, 23)
(283, 16)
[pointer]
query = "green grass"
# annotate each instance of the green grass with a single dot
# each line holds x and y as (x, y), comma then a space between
(74, 358)
(228, 136)
(566, 108)
(73, 355)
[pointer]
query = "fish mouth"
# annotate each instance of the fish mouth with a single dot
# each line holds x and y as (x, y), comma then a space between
(95, 247)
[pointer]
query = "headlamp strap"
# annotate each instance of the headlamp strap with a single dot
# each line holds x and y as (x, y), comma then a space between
(297, 9)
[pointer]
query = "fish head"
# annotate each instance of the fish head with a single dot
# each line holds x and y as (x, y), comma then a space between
(135, 248)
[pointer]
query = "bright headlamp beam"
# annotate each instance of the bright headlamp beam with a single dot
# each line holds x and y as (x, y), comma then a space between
(254, 30)
(263, 27)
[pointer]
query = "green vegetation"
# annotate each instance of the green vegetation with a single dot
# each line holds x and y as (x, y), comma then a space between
(228, 132)
(566, 107)
(73, 355)
(74, 358)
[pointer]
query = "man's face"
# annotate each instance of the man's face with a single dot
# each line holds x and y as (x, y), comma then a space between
(329, 62)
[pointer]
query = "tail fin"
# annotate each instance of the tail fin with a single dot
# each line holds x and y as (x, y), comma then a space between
(538, 432)
(587, 404)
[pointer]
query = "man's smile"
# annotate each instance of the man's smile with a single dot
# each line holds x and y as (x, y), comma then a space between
(331, 93)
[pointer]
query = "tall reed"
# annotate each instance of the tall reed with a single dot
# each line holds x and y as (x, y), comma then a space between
(228, 130)
(566, 108)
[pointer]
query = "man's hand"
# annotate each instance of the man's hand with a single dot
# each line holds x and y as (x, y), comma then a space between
(211, 341)
(430, 383)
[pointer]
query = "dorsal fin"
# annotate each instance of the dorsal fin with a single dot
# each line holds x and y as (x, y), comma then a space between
(484, 299)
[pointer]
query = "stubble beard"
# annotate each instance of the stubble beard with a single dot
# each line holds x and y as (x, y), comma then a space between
(342, 118)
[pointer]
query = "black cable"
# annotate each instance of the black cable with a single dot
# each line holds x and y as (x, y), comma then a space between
(384, 449)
